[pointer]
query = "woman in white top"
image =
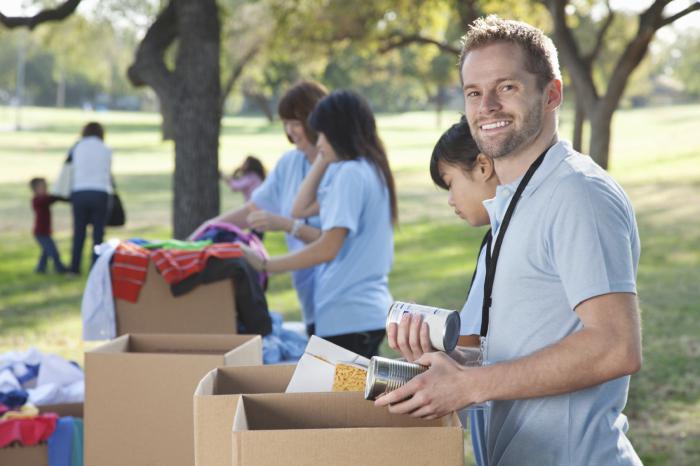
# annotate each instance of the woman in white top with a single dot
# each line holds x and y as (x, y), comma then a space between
(92, 184)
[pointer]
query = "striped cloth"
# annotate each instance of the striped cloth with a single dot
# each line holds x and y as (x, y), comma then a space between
(176, 265)
(129, 267)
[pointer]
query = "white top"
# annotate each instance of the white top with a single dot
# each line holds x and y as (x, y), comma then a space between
(92, 165)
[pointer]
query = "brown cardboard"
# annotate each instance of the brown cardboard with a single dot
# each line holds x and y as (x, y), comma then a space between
(38, 455)
(209, 308)
(215, 402)
(341, 429)
(138, 394)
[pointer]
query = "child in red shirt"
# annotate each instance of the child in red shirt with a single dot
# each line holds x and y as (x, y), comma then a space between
(41, 203)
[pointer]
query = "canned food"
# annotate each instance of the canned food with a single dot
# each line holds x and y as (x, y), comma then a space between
(443, 323)
(385, 375)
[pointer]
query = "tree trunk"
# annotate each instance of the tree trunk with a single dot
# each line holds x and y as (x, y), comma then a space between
(61, 90)
(196, 115)
(599, 142)
(439, 105)
(263, 104)
(579, 120)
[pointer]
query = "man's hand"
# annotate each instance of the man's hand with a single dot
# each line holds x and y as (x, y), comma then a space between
(252, 257)
(411, 337)
(262, 220)
(441, 389)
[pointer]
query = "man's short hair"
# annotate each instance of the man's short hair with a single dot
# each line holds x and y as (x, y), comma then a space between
(538, 49)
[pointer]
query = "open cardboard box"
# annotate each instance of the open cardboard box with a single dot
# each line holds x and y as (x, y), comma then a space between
(37, 455)
(215, 401)
(341, 429)
(209, 308)
(138, 394)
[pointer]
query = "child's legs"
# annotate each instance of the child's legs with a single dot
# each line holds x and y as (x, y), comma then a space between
(52, 251)
(43, 257)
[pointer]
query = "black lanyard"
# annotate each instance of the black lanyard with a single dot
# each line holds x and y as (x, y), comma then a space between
(492, 257)
(484, 242)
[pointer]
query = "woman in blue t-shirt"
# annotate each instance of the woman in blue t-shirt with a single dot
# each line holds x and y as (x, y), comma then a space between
(351, 187)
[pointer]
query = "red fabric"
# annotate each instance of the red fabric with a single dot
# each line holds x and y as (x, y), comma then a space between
(42, 213)
(129, 268)
(176, 265)
(29, 431)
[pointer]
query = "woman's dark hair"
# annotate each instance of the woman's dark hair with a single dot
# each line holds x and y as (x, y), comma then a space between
(347, 122)
(455, 147)
(253, 164)
(94, 129)
(298, 103)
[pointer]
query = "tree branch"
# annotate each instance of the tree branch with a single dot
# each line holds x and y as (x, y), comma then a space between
(579, 69)
(400, 40)
(237, 71)
(600, 37)
(666, 21)
(149, 64)
(50, 14)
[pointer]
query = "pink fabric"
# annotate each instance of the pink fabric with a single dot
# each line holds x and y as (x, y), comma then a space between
(29, 431)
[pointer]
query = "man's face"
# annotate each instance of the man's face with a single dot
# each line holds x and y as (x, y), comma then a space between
(503, 104)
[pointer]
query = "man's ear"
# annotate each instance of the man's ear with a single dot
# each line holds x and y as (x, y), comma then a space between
(554, 94)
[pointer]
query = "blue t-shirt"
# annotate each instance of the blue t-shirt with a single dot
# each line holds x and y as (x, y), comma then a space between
(352, 292)
(276, 194)
(470, 315)
(573, 236)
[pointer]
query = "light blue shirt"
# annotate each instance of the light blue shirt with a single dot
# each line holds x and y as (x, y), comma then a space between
(573, 236)
(470, 315)
(352, 292)
(276, 194)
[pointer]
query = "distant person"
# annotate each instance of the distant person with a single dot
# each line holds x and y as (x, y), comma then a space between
(270, 205)
(247, 177)
(41, 204)
(92, 184)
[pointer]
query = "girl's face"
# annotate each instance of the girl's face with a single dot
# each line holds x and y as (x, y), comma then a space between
(467, 190)
(295, 131)
(325, 149)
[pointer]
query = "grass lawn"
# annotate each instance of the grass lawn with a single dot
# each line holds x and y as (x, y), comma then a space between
(656, 156)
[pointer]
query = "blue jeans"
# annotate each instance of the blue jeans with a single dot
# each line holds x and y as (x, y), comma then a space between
(48, 250)
(89, 208)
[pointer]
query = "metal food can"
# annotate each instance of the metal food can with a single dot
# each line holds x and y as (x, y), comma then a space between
(443, 323)
(385, 375)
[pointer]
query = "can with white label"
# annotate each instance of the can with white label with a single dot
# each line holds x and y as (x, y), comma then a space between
(443, 323)
(385, 375)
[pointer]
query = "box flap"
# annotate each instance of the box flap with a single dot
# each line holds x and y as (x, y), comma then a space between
(245, 379)
(186, 343)
(315, 369)
(249, 349)
(118, 345)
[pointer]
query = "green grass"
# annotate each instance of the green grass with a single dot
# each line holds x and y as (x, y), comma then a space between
(655, 155)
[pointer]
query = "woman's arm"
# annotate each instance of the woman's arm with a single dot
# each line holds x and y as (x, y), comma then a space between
(236, 217)
(305, 204)
(324, 249)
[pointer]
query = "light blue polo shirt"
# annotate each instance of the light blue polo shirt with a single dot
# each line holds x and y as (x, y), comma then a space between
(352, 290)
(573, 236)
(276, 194)
(470, 315)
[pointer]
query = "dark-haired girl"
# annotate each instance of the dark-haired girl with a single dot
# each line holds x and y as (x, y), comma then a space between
(352, 188)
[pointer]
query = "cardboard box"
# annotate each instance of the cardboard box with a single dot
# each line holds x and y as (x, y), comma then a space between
(341, 429)
(138, 394)
(209, 308)
(215, 402)
(38, 455)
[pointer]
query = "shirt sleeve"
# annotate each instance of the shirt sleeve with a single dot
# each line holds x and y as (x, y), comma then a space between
(267, 196)
(591, 239)
(343, 201)
(242, 183)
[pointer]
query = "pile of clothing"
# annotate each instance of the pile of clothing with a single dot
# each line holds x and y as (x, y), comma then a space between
(30, 379)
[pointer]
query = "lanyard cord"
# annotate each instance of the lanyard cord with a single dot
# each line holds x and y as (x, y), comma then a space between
(492, 257)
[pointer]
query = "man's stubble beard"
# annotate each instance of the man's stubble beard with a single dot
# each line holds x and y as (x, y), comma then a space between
(532, 125)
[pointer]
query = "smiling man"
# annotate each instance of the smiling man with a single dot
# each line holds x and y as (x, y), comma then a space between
(560, 324)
